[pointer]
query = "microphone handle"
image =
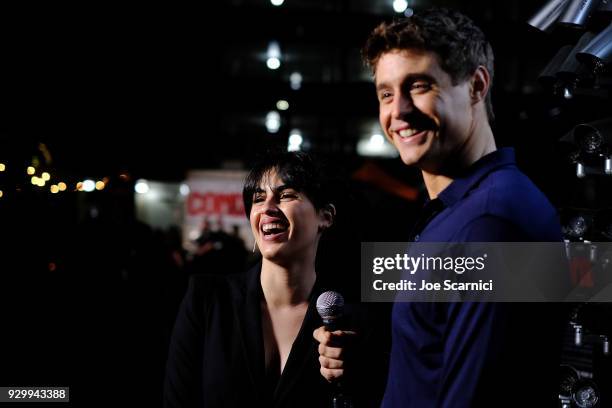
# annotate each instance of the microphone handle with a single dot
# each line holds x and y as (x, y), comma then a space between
(331, 324)
(339, 399)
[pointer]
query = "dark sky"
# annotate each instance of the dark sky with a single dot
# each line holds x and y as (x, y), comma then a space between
(104, 86)
(157, 90)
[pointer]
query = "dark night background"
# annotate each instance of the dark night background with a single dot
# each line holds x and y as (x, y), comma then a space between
(155, 90)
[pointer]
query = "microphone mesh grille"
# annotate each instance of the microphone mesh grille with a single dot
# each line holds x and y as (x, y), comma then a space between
(330, 305)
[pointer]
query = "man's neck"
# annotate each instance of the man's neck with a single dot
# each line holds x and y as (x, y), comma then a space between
(479, 144)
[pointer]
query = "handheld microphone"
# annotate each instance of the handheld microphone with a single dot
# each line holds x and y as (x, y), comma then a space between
(330, 306)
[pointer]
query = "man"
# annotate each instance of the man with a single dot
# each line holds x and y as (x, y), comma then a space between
(433, 74)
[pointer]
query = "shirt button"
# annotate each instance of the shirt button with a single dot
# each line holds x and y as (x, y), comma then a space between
(416, 237)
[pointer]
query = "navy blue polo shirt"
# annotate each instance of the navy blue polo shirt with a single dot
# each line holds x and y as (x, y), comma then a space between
(477, 354)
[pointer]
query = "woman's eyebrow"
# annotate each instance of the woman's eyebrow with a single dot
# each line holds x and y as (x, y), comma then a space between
(283, 187)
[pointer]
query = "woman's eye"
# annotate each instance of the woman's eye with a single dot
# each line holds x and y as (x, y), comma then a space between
(258, 198)
(288, 195)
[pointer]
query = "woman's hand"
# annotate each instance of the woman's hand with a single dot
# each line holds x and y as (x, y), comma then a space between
(332, 351)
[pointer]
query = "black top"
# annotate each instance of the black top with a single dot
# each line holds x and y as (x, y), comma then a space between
(216, 356)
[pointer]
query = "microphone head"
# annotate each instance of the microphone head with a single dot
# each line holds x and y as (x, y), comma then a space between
(330, 306)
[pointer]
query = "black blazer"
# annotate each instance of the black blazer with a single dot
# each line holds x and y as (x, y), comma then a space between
(216, 355)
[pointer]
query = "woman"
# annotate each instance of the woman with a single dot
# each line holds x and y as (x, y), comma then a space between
(246, 339)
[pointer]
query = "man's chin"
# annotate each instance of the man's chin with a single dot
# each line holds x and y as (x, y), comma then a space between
(409, 158)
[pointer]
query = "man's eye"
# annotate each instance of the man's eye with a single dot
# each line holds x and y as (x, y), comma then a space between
(258, 198)
(385, 95)
(420, 86)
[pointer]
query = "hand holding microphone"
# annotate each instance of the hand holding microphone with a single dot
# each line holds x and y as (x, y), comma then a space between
(333, 342)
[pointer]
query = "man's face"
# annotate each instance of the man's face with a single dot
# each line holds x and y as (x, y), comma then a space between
(422, 113)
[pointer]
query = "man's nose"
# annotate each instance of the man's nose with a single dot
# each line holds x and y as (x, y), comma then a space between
(402, 105)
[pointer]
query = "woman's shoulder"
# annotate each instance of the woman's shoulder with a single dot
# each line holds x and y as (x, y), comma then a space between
(209, 280)
(212, 285)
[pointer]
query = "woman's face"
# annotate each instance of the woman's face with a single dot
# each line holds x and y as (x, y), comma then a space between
(284, 221)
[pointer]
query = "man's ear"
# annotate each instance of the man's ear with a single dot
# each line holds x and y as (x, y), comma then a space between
(328, 214)
(480, 83)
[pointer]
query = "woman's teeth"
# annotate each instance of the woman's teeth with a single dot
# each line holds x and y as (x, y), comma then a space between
(273, 228)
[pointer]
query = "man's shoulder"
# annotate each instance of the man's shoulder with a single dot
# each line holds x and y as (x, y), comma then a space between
(509, 190)
(511, 197)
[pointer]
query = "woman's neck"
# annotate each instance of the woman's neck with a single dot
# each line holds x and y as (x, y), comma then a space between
(286, 286)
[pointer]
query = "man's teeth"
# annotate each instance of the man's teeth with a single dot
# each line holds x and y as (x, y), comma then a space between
(273, 226)
(407, 132)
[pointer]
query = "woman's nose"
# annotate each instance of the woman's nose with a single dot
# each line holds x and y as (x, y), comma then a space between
(270, 206)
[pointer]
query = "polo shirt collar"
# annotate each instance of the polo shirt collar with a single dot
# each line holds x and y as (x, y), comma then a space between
(476, 172)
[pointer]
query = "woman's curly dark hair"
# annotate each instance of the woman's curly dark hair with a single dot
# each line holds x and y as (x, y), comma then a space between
(296, 169)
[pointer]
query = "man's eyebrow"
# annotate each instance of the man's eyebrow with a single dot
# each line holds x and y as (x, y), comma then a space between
(382, 85)
(407, 79)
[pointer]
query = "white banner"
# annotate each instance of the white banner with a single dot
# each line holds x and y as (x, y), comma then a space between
(215, 201)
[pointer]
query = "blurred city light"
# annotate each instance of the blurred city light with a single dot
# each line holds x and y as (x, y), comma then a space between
(273, 121)
(141, 187)
(282, 105)
(375, 146)
(400, 6)
(295, 141)
(89, 185)
(274, 55)
(295, 80)
(273, 63)
(184, 189)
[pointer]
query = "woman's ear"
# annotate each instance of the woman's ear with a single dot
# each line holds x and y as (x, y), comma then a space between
(328, 214)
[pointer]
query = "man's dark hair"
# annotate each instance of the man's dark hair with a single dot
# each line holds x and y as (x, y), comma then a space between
(297, 170)
(459, 44)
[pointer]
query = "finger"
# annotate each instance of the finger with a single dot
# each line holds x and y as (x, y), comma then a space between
(331, 352)
(330, 363)
(331, 374)
(343, 333)
(322, 335)
(340, 338)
